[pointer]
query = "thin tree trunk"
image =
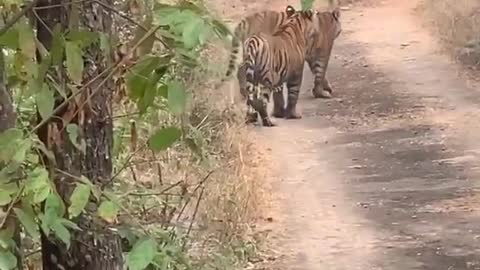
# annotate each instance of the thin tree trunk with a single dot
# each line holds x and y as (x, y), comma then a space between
(95, 247)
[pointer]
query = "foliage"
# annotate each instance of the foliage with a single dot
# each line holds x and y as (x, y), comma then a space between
(27, 187)
(307, 4)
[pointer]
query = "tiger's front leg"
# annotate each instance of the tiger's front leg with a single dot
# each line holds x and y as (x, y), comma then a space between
(322, 87)
(278, 102)
(293, 87)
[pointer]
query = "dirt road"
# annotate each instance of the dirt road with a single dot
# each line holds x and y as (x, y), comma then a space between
(386, 174)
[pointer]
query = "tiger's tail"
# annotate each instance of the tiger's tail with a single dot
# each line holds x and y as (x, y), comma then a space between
(233, 62)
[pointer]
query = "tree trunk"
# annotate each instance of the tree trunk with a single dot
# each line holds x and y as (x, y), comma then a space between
(95, 247)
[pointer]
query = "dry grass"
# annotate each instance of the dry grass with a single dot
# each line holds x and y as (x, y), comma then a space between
(456, 22)
(233, 193)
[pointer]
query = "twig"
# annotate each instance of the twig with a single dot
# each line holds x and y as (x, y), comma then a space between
(194, 216)
(32, 253)
(17, 17)
(189, 198)
(159, 168)
(162, 192)
(10, 206)
(132, 170)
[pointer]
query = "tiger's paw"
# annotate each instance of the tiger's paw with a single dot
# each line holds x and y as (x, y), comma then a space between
(292, 114)
(267, 122)
(251, 118)
(278, 113)
(324, 93)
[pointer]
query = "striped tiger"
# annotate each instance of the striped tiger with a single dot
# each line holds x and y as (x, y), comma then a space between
(274, 59)
(267, 22)
(317, 55)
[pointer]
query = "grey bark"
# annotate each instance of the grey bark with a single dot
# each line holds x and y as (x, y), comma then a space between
(95, 247)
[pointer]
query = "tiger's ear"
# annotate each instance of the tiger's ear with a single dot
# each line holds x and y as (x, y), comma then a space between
(290, 10)
(336, 13)
(309, 13)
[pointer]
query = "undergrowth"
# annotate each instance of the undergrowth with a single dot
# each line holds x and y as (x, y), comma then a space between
(456, 24)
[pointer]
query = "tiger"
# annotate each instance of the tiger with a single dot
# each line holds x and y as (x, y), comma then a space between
(274, 59)
(317, 56)
(267, 22)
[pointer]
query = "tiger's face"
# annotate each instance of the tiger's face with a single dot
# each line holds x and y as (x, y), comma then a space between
(328, 21)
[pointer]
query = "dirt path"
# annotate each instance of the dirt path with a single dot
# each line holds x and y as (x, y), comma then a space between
(386, 174)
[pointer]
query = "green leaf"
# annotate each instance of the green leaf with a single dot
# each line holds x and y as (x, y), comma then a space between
(307, 4)
(142, 254)
(83, 38)
(162, 91)
(10, 39)
(69, 224)
(74, 61)
(38, 184)
(53, 211)
(164, 138)
(6, 238)
(22, 148)
(73, 131)
(26, 40)
(177, 97)
(45, 102)
(56, 53)
(96, 192)
(5, 198)
(191, 32)
(79, 200)
(62, 233)
(9, 140)
(139, 76)
(28, 222)
(108, 211)
(7, 260)
(55, 205)
(105, 45)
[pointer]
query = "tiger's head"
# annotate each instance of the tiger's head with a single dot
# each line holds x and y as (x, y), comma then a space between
(326, 21)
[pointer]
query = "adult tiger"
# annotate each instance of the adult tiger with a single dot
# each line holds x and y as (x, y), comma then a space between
(274, 59)
(267, 22)
(317, 56)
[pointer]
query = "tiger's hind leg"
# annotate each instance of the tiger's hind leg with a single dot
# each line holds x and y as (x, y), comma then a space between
(263, 99)
(252, 104)
(278, 103)
(322, 87)
(293, 92)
